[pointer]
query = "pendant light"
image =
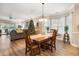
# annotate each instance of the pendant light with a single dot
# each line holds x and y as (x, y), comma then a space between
(43, 18)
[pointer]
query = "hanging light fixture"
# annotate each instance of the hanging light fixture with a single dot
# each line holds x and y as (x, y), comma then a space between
(42, 10)
(43, 18)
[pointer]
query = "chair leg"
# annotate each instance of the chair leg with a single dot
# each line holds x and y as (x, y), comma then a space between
(39, 46)
(51, 49)
(26, 51)
(31, 53)
(55, 46)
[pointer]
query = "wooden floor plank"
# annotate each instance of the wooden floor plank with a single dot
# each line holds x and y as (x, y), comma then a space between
(17, 48)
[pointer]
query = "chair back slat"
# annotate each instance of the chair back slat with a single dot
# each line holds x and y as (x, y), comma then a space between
(54, 35)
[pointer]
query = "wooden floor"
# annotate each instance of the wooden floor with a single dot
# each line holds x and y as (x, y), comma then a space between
(18, 49)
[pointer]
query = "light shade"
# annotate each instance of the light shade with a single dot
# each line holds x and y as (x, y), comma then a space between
(43, 19)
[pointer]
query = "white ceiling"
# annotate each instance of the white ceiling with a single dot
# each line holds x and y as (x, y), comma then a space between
(31, 10)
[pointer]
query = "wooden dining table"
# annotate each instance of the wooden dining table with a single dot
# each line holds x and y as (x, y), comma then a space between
(40, 38)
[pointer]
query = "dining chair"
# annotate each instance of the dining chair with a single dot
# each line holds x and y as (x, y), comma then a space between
(30, 45)
(52, 41)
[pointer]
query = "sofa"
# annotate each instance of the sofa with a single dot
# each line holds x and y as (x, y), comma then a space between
(0, 32)
(14, 35)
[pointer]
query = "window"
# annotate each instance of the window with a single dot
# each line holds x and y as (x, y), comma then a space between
(60, 23)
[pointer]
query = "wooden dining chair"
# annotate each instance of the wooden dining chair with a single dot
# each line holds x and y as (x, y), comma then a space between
(52, 41)
(30, 45)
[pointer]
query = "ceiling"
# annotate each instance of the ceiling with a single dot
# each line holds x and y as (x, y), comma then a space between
(32, 10)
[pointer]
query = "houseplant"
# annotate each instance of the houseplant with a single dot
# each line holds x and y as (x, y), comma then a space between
(66, 28)
(47, 29)
(31, 27)
(66, 35)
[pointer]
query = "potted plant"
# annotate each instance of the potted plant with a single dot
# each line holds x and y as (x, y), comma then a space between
(66, 35)
(31, 27)
(66, 28)
(47, 29)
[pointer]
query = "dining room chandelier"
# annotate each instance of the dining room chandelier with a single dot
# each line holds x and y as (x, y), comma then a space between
(43, 17)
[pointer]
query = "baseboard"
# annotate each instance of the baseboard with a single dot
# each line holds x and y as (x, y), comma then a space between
(74, 45)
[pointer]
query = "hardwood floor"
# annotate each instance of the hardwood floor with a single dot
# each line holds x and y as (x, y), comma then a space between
(17, 48)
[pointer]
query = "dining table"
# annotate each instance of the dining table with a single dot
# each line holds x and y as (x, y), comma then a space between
(41, 38)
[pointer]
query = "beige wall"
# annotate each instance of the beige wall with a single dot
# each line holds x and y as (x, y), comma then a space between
(75, 19)
(75, 29)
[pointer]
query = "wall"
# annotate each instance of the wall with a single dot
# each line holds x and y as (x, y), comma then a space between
(75, 29)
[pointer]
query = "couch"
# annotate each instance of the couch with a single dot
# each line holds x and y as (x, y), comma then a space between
(14, 35)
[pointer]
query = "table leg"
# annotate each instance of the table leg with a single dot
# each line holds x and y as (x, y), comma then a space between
(39, 48)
